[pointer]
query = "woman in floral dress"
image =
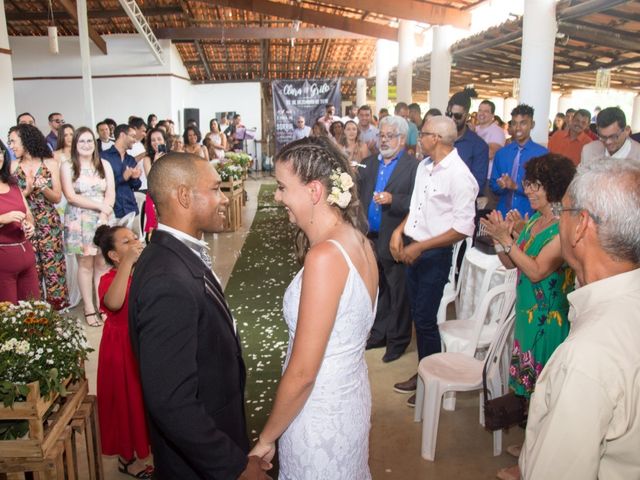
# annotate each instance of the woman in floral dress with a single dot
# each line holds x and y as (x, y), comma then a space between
(88, 185)
(38, 176)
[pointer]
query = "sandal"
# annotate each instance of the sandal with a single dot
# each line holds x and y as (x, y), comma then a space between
(124, 468)
(96, 323)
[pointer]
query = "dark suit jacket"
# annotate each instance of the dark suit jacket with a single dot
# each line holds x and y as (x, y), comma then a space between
(400, 185)
(191, 367)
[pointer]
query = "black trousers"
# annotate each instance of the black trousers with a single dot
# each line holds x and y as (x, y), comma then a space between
(393, 318)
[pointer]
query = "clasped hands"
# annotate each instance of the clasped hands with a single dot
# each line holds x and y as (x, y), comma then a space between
(505, 181)
(503, 230)
(401, 253)
(260, 458)
(129, 172)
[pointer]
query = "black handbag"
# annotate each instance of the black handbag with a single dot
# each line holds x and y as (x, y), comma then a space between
(502, 412)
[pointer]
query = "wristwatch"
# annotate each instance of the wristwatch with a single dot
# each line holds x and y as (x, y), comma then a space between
(507, 249)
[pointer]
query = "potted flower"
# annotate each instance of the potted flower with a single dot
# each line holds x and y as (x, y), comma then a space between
(37, 344)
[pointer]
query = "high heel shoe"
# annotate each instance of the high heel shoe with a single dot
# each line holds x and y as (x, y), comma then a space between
(96, 323)
(143, 474)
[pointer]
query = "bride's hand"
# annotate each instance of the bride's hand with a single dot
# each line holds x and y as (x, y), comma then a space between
(264, 450)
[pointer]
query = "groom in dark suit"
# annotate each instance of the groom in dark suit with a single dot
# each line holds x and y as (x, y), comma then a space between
(183, 334)
(385, 186)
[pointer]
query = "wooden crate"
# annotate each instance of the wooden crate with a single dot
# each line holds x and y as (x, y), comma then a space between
(44, 428)
(85, 425)
(58, 464)
(234, 190)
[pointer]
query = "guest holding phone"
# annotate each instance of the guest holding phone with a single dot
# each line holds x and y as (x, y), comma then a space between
(157, 146)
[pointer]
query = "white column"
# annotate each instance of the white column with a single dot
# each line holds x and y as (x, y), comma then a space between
(382, 75)
(8, 110)
(406, 49)
(565, 102)
(361, 91)
(536, 62)
(440, 69)
(85, 57)
(635, 115)
(509, 104)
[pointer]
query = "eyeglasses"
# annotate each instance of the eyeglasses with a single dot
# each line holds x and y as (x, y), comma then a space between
(391, 136)
(557, 209)
(425, 134)
(57, 120)
(533, 186)
(610, 138)
(457, 116)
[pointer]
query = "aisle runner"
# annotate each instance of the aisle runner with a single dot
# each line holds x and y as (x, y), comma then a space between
(262, 272)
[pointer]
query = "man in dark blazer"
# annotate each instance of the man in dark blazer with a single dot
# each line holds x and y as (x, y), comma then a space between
(184, 336)
(385, 186)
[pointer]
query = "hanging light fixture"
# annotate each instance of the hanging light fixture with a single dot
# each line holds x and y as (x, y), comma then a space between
(52, 32)
(603, 79)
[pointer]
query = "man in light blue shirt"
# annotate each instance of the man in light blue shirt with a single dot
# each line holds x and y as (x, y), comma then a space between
(509, 162)
(402, 110)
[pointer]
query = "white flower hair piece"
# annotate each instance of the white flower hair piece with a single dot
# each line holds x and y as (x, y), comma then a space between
(341, 183)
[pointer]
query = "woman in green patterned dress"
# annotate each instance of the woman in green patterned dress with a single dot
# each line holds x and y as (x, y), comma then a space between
(38, 176)
(544, 278)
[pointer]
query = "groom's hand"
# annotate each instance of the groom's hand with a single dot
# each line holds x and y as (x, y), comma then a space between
(256, 469)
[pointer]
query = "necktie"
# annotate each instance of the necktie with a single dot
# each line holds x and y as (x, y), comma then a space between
(204, 255)
(202, 249)
(514, 177)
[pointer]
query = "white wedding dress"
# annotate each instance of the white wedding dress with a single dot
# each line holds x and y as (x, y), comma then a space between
(329, 439)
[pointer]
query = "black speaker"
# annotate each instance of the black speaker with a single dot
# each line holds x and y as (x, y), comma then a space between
(191, 114)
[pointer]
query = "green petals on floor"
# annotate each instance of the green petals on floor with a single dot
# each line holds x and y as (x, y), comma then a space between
(263, 271)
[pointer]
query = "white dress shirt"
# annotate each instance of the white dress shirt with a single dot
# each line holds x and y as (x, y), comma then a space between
(623, 151)
(444, 197)
(584, 417)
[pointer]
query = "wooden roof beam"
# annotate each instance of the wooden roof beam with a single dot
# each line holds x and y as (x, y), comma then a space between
(308, 15)
(411, 10)
(71, 9)
(109, 13)
(253, 33)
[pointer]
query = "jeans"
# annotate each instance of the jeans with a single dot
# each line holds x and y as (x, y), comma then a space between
(426, 279)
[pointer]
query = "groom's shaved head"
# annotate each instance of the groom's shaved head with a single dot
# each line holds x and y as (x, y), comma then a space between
(168, 173)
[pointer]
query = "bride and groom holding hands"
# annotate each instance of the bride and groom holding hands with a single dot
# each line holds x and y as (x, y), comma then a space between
(187, 346)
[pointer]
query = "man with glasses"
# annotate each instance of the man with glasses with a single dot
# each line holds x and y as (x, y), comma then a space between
(55, 121)
(301, 130)
(584, 420)
(473, 151)
(613, 137)
(442, 212)
(385, 186)
(508, 166)
(571, 141)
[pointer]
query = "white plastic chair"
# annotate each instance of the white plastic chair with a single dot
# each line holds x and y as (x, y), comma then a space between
(468, 336)
(457, 372)
(452, 288)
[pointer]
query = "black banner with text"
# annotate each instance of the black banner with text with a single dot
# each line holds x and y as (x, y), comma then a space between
(295, 98)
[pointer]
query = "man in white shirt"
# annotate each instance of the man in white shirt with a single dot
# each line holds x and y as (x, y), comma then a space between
(352, 114)
(584, 417)
(493, 135)
(441, 213)
(301, 130)
(104, 136)
(613, 134)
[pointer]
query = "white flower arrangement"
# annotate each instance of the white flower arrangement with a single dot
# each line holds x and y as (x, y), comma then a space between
(341, 183)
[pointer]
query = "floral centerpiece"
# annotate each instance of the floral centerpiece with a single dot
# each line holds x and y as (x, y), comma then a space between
(238, 158)
(229, 171)
(37, 344)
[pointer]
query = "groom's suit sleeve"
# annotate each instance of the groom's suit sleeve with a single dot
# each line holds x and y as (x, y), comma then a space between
(167, 325)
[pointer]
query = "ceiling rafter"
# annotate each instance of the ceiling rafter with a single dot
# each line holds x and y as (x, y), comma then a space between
(71, 9)
(308, 15)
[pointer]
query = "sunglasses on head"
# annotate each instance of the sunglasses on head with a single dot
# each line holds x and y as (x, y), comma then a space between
(457, 116)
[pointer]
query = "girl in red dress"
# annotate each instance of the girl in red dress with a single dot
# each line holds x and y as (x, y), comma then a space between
(121, 414)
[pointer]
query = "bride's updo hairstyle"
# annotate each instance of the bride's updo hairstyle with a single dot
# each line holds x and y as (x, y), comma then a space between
(318, 158)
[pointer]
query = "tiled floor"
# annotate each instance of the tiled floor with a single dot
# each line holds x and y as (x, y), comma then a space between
(464, 448)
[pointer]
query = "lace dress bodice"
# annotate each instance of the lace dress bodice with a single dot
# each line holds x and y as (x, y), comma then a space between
(330, 436)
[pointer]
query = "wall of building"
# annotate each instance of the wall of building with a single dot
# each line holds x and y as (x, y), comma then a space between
(127, 81)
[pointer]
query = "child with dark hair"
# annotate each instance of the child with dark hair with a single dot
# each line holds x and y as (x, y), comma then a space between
(123, 428)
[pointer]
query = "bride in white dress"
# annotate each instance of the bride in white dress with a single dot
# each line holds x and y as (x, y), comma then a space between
(322, 410)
